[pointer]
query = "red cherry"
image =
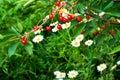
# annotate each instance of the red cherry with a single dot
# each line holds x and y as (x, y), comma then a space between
(60, 18)
(24, 41)
(96, 33)
(77, 25)
(36, 28)
(79, 19)
(112, 32)
(58, 3)
(51, 16)
(88, 17)
(64, 19)
(82, 32)
(59, 26)
(48, 28)
(104, 27)
(70, 16)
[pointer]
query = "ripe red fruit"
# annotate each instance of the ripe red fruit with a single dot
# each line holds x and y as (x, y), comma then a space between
(88, 17)
(96, 33)
(64, 19)
(60, 18)
(77, 25)
(112, 32)
(51, 16)
(48, 28)
(36, 28)
(70, 16)
(103, 27)
(59, 26)
(24, 41)
(79, 19)
(58, 3)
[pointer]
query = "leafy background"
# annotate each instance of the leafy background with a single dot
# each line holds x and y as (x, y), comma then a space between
(39, 61)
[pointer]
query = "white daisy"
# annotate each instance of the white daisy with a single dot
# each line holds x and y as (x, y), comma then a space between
(55, 29)
(101, 67)
(54, 24)
(88, 42)
(75, 43)
(80, 37)
(118, 62)
(56, 72)
(37, 31)
(113, 67)
(101, 14)
(61, 75)
(38, 38)
(66, 25)
(72, 74)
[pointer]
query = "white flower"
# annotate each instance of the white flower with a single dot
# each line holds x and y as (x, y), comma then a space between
(118, 62)
(113, 67)
(55, 29)
(56, 72)
(88, 42)
(37, 38)
(66, 25)
(72, 74)
(101, 14)
(60, 75)
(75, 43)
(77, 14)
(54, 24)
(37, 31)
(80, 37)
(101, 67)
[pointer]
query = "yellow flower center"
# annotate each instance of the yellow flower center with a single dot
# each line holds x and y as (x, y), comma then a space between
(61, 75)
(89, 42)
(72, 74)
(38, 39)
(101, 67)
(76, 43)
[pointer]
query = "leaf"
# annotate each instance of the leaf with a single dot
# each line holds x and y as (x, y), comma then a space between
(109, 5)
(113, 13)
(20, 27)
(15, 31)
(29, 48)
(6, 39)
(12, 48)
(79, 28)
(81, 8)
(116, 49)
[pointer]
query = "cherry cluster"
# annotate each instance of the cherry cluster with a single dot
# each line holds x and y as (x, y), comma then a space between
(60, 5)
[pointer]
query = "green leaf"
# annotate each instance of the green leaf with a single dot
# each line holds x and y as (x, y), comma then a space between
(12, 48)
(81, 8)
(29, 48)
(20, 27)
(15, 31)
(79, 28)
(1, 36)
(116, 49)
(6, 39)
(113, 13)
(110, 4)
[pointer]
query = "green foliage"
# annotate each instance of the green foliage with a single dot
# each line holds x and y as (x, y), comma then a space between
(38, 61)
